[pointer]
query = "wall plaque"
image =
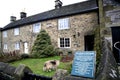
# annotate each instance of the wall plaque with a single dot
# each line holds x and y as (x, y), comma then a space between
(84, 64)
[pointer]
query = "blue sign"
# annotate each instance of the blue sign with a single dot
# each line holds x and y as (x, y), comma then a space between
(84, 64)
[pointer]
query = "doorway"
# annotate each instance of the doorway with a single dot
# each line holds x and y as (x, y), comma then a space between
(89, 43)
(25, 47)
(115, 43)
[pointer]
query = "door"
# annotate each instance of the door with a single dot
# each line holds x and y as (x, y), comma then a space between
(115, 43)
(89, 43)
(26, 47)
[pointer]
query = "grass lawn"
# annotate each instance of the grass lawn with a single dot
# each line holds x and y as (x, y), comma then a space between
(36, 65)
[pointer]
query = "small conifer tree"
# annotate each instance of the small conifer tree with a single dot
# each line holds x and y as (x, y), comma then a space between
(42, 46)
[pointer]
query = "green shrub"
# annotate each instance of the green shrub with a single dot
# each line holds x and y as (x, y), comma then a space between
(69, 52)
(42, 46)
(68, 66)
(23, 56)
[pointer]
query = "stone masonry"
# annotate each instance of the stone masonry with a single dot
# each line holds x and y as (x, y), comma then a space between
(82, 24)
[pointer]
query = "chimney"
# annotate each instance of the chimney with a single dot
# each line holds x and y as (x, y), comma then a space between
(12, 18)
(58, 4)
(23, 15)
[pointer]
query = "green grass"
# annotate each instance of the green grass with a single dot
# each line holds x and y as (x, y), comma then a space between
(36, 65)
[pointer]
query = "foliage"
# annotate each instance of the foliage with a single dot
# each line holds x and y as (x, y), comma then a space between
(36, 65)
(10, 56)
(97, 45)
(42, 46)
(67, 66)
(23, 56)
(70, 52)
(1, 55)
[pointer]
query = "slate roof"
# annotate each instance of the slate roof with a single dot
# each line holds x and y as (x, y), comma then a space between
(68, 10)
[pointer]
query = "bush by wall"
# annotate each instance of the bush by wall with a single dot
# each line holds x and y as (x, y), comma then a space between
(42, 46)
(10, 56)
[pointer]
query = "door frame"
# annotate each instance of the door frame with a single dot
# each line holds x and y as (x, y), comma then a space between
(115, 38)
(26, 49)
(88, 38)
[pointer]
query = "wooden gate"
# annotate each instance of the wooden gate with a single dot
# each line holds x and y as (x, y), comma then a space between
(116, 40)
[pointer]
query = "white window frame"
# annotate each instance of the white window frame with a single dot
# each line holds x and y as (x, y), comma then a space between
(63, 24)
(16, 31)
(4, 34)
(36, 27)
(59, 44)
(5, 46)
(17, 46)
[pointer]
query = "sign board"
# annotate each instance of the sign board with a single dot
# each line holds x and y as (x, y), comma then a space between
(84, 64)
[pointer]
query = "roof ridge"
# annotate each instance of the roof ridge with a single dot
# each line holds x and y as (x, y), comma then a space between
(66, 10)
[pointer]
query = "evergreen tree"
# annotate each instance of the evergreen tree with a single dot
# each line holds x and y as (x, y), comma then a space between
(42, 46)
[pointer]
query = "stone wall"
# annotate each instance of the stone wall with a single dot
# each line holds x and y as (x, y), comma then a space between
(80, 26)
(108, 69)
(26, 35)
(8, 72)
(112, 17)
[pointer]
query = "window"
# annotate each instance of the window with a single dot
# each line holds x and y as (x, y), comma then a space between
(4, 33)
(5, 46)
(17, 46)
(16, 31)
(63, 23)
(64, 42)
(36, 27)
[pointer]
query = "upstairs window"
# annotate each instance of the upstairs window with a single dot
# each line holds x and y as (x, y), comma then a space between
(5, 46)
(16, 31)
(64, 42)
(63, 24)
(36, 27)
(17, 46)
(4, 34)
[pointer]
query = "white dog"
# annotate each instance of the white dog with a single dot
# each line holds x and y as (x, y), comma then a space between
(51, 65)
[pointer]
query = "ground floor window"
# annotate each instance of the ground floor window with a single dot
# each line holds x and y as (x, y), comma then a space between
(5, 46)
(17, 46)
(64, 42)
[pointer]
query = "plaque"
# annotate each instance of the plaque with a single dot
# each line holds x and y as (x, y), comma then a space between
(84, 64)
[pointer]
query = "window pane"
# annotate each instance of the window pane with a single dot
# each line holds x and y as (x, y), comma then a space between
(36, 27)
(63, 23)
(66, 22)
(64, 42)
(5, 46)
(17, 46)
(5, 34)
(67, 42)
(61, 42)
(16, 31)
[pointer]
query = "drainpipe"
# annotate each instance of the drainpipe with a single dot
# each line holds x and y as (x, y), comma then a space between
(98, 30)
(101, 21)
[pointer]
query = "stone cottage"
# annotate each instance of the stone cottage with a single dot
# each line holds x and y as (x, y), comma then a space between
(70, 27)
